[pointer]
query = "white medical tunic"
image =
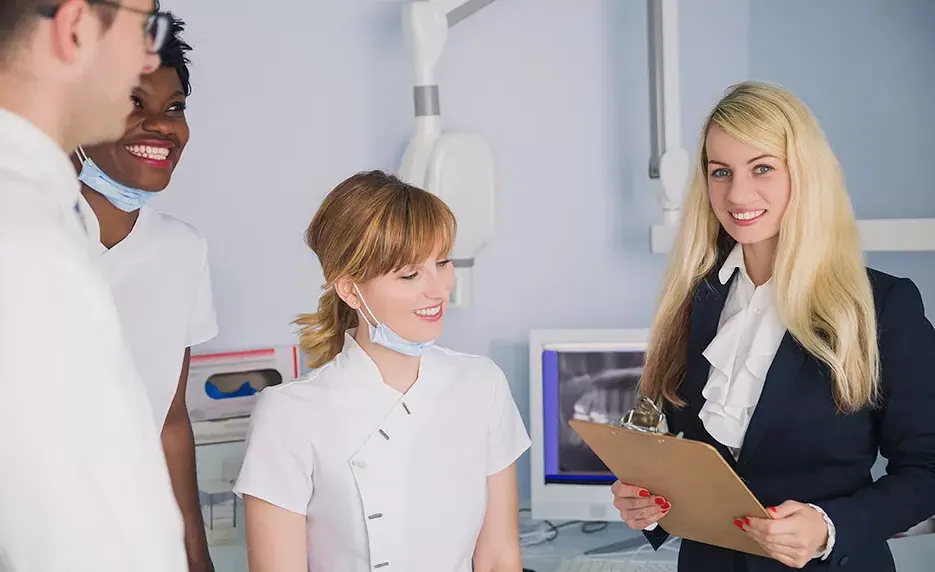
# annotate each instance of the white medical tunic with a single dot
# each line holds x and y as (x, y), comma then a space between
(161, 284)
(83, 479)
(387, 481)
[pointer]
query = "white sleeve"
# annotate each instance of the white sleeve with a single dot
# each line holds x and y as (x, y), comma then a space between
(507, 438)
(278, 463)
(203, 324)
(832, 533)
(83, 479)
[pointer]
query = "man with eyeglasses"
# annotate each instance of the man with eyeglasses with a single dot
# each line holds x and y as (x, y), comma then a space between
(83, 480)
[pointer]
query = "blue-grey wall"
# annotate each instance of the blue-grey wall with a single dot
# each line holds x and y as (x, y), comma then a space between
(290, 97)
(867, 69)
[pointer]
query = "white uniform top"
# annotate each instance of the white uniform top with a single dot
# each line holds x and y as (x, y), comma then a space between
(748, 337)
(162, 286)
(83, 479)
(387, 481)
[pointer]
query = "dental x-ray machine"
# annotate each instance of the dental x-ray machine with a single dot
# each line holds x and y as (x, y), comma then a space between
(457, 167)
(669, 161)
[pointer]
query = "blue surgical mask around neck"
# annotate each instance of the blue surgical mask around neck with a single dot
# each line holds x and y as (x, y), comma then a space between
(121, 196)
(381, 334)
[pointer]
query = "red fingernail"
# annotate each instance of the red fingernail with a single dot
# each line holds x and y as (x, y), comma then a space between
(666, 507)
(771, 509)
(738, 524)
(746, 520)
(660, 501)
(644, 493)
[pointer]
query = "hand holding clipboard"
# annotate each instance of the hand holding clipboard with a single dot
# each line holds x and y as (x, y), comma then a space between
(706, 495)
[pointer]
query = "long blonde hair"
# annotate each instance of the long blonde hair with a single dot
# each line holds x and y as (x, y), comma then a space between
(369, 225)
(822, 287)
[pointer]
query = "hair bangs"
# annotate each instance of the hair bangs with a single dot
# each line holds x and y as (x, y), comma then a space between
(754, 121)
(413, 227)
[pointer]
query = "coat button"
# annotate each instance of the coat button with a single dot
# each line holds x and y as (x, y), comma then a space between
(842, 561)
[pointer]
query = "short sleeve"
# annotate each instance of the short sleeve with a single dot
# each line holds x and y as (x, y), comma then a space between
(202, 324)
(507, 438)
(278, 463)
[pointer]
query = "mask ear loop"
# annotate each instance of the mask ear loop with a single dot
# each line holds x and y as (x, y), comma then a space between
(82, 156)
(363, 315)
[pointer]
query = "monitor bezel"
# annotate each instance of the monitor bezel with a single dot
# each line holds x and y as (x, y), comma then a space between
(564, 501)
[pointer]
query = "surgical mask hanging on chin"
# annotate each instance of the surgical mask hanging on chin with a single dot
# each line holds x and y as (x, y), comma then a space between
(121, 196)
(381, 334)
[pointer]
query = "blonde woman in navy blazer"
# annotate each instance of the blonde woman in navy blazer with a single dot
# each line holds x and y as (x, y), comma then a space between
(775, 344)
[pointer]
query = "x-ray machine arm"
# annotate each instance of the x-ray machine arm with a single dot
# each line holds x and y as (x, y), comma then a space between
(669, 161)
(458, 167)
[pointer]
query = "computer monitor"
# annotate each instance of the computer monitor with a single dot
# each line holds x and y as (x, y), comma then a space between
(583, 374)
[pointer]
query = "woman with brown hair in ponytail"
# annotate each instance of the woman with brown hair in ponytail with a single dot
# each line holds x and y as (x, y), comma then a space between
(347, 468)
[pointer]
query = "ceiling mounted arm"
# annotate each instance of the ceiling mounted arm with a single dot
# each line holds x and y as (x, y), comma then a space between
(458, 167)
(657, 120)
(463, 9)
(669, 161)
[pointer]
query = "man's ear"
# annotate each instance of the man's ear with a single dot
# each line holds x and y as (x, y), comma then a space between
(74, 28)
(344, 288)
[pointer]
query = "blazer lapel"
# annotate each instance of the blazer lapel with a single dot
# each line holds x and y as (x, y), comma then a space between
(778, 387)
(707, 306)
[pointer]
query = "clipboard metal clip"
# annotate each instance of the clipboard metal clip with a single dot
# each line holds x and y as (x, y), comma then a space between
(646, 416)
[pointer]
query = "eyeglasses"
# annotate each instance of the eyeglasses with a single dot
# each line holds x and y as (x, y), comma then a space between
(156, 27)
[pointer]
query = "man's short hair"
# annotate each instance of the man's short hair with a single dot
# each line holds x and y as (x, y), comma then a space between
(17, 18)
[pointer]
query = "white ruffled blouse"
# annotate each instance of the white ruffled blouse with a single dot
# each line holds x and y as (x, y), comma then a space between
(748, 337)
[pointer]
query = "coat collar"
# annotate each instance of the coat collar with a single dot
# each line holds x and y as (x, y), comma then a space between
(30, 153)
(356, 370)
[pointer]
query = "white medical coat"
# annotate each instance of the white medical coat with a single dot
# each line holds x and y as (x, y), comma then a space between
(387, 481)
(83, 479)
(161, 284)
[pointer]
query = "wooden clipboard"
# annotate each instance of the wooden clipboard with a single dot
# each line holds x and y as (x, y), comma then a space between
(705, 493)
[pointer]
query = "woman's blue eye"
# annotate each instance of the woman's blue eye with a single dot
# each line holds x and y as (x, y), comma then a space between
(443, 263)
(718, 173)
(762, 169)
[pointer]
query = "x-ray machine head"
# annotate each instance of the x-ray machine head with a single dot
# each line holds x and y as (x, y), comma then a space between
(457, 167)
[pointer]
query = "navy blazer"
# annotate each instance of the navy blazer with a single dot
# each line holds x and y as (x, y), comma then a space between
(797, 447)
